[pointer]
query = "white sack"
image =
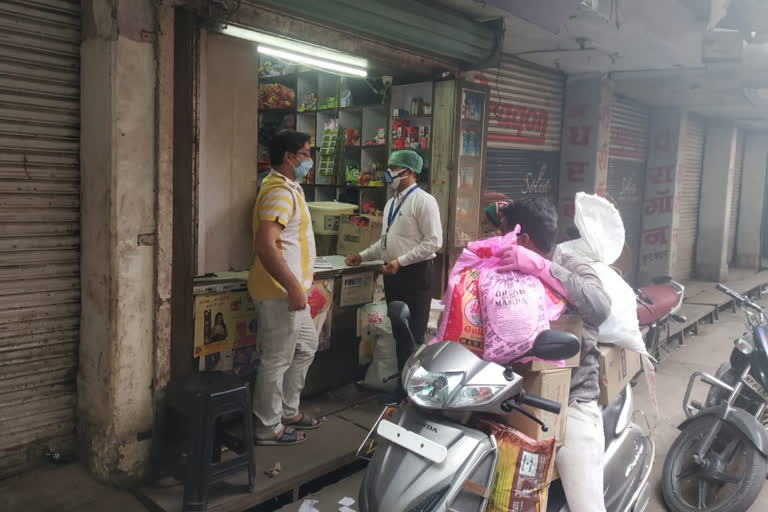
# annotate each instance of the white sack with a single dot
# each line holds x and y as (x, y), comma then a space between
(384, 364)
(602, 241)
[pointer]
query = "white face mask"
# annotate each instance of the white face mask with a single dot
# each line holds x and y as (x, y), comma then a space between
(394, 181)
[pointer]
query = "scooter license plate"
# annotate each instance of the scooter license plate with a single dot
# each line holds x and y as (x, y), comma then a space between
(369, 444)
(419, 445)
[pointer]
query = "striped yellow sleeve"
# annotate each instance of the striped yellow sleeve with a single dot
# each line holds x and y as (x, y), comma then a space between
(276, 204)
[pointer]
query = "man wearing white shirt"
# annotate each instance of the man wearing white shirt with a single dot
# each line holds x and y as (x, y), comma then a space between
(411, 235)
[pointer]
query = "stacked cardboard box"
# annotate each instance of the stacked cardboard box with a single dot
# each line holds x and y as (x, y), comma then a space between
(617, 367)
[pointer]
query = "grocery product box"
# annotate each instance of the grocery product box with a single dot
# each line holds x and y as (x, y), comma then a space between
(356, 289)
(617, 367)
(553, 385)
(357, 232)
(568, 322)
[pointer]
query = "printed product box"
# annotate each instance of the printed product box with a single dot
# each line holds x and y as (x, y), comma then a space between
(356, 289)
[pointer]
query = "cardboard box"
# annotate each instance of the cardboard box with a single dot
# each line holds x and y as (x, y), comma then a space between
(356, 289)
(358, 232)
(568, 322)
(553, 385)
(617, 367)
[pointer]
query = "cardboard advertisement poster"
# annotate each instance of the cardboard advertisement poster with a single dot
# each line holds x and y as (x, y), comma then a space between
(225, 332)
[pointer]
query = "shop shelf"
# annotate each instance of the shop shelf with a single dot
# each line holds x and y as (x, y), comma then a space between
(288, 110)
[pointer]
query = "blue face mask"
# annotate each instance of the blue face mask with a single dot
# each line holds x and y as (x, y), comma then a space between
(302, 170)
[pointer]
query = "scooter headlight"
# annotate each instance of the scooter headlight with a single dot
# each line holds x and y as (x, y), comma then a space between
(475, 395)
(430, 389)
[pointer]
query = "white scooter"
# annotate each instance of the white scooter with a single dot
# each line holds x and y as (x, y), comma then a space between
(427, 459)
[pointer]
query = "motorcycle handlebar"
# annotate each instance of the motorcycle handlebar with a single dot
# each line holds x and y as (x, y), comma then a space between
(540, 403)
(729, 292)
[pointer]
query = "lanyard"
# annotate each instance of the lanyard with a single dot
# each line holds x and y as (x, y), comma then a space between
(393, 215)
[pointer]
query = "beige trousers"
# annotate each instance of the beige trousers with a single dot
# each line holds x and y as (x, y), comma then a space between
(580, 460)
(288, 341)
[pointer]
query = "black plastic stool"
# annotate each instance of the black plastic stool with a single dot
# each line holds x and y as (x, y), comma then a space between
(198, 411)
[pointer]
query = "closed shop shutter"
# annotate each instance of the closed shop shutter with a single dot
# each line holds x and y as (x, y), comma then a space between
(626, 171)
(738, 171)
(39, 228)
(690, 184)
(526, 107)
(512, 174)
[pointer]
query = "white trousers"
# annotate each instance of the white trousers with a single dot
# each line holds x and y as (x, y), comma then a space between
(289, 342)
(580, 459)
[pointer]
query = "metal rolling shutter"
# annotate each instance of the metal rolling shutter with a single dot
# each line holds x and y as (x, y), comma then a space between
(39, 227)
(690, 184)
(526, 107)
(738, 171)
(513, 174)
(626, 170)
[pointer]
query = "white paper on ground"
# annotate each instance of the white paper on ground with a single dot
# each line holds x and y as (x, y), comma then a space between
(347, 509)
(308, 506)
(346, 501)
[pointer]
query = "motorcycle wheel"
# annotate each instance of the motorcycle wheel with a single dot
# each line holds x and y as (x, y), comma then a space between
(731, 483)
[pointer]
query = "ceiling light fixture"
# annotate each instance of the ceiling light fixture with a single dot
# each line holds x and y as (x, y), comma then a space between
(312, 62)
(316, 52)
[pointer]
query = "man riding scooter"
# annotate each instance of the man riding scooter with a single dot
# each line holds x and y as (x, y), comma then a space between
(580, 459)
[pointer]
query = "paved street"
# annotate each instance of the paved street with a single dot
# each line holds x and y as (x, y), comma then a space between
(704, 352)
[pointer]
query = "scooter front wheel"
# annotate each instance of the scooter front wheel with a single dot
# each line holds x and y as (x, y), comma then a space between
(728, 480)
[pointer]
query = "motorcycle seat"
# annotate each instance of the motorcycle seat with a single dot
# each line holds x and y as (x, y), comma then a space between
(656, 301)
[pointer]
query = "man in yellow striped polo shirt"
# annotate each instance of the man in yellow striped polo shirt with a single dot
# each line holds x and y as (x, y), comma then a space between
(278, 282)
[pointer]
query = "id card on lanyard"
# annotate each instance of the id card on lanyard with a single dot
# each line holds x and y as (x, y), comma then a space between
(393, 213)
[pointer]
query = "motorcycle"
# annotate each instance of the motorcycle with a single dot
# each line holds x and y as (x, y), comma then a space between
(719, 460)
(426, 458)
(656, 305)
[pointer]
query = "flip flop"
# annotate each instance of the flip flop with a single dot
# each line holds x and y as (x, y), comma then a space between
(288, 437)
(304, 423)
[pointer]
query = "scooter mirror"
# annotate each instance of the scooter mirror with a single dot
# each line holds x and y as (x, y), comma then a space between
(554, 345)
(398, 313)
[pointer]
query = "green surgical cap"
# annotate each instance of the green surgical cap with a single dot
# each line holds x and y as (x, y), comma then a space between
(408, 159)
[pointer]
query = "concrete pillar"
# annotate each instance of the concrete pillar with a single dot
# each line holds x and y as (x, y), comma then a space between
(752, 203)
(715, 206)
(661, 208)
(586, 135)
(118, 232)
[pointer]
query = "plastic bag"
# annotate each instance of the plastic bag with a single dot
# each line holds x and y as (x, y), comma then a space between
(435, 315)
(384, 364)
(463, 319)
(513, 314)
(524, 469)
(601, 244)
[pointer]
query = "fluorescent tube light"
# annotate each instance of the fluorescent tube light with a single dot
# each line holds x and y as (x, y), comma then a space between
(313, 62)
(294, 46)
